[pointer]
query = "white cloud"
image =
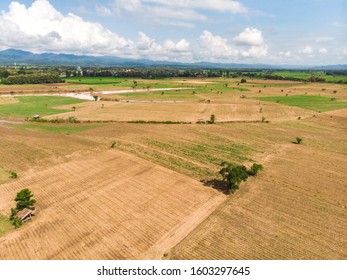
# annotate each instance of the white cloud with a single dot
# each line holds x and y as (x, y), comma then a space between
(255, 51)
(286, 54)
(215, 47)
(178, 12)
(323, 50)
(103, 11)
(41, 27)
(250, 36)
(216, 5)
(307, 50)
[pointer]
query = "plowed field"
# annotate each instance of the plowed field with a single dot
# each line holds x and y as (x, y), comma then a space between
(108, 206)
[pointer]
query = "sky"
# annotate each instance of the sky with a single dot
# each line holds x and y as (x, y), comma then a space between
(295, 32)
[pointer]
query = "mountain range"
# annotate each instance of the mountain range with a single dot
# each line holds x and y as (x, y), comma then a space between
(20, 57)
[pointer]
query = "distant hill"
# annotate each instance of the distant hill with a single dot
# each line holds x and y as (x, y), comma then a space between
(11, 56)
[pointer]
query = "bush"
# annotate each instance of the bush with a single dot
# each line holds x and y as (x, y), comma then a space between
(113, 144)
(16, 222)
(298, 140)
(243, 80)
(212, 119)
(13, 174)
(255, 168)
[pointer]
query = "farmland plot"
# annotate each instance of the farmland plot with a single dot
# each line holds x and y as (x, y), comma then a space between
(106, 206)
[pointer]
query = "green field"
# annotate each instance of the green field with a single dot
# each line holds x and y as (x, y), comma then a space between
(308, 74)
(29, 106)
(315, 103)
(122, 82)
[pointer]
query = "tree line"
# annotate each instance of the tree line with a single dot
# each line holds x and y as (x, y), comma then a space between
(32, 79)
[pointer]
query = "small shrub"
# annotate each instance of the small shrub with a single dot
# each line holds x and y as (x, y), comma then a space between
(113, 144)
(212, 119)
(13, 174)
(298, 140)
(255, 168)
(16, 222)
(263, 119)
(243, 80)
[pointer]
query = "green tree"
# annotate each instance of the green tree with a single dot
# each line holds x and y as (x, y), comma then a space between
(243, 80)
(212, 119)
(24, 199)
(233, 174)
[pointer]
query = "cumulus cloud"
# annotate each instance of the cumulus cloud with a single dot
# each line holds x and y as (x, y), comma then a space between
(250, 36)
(215, 47)
(307, 50)
(41, 28)
(323, 50)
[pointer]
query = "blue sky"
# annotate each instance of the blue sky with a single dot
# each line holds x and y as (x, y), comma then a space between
(306, 32)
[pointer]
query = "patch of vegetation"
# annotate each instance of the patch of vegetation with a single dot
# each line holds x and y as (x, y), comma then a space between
(5, 225)
(316, 103)
(29, 106)
(298, 140)
(233, 174)
(255, 168)
(24, 199)
(13, 174)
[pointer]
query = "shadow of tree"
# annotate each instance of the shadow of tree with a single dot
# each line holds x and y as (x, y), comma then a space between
(219, 185)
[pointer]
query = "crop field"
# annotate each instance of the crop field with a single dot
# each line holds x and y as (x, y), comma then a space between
(316, 103)
(156, 193)
(119, 215)
(27, 106)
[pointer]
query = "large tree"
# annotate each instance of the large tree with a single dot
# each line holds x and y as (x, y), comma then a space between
(233, 174)
(24, 199)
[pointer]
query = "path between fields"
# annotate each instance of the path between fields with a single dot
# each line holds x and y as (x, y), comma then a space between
(178, 233)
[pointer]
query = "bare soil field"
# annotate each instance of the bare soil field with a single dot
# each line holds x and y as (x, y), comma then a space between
(107, 206)
(240, 110)
(295, 209)
(156, 191)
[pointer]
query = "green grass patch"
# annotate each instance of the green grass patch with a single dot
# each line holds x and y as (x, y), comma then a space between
(315, 103)
(29, 106)
(5, 225)
(56, 128)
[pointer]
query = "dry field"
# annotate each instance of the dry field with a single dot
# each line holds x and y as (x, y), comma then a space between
(106, 206)
(240, 110)
(295, 209)
(144, 198)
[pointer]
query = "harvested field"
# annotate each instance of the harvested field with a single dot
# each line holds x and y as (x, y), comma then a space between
(241, 110)
(113, 206)
(295, 209)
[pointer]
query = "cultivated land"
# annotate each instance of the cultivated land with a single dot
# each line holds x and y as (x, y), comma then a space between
(156, 192)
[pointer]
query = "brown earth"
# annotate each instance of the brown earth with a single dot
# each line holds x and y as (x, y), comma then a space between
(107, 206)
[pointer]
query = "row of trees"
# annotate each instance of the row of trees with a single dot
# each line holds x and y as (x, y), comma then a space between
(32, 79)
